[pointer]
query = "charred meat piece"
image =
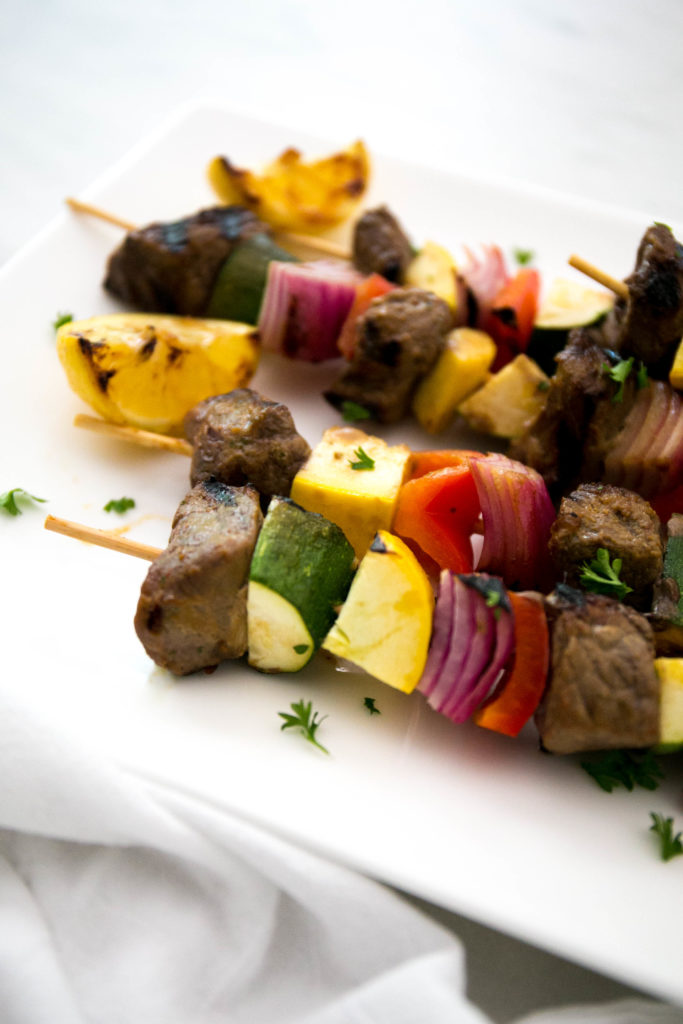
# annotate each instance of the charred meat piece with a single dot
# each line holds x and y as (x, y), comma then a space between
(552, 443)
(601, 516)
(603, 692)
(192, 612)
(399, 339)
(650, 323)
(380, 245)
(172, 268)
(243, 438)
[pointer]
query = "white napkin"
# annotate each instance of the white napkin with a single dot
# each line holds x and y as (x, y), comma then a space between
(126, 901)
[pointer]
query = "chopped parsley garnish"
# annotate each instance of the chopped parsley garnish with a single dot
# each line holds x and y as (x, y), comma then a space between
(301, 648)
(363, 460)
(119, 505)
(602, 576)
(8, 500)
(670, 845)
(623, 768)
(305, 719)
(523, 256)
(369, 703)
(619, 373)
(642, 379)
(61, 319)
(352, 412)
(543, 385)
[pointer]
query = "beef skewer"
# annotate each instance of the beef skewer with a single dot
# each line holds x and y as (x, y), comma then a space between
(603, 691)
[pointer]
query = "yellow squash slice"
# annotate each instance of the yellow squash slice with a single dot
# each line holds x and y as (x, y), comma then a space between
(434, 269)
(360, 501)
(508, 400)
(148, 371)
(462, 367)
(295, 196)
(385, 623)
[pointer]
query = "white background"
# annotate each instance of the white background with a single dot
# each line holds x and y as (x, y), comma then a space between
(579, 96)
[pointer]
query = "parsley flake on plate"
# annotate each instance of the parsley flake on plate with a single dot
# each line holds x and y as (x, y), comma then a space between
(306, 720)
(670, 845)
(623, 768)
(8, 500)
(119, 505)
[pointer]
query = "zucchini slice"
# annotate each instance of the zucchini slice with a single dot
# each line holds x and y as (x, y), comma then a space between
(568, 304)
(300, 572)
(241, 281)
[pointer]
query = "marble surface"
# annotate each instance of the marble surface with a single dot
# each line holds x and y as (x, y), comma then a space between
(579, 96)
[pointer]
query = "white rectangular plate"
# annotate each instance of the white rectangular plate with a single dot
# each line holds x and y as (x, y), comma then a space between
(478, 823)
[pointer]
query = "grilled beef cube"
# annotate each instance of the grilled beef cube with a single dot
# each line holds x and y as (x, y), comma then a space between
(603, 691)
(192, 612)
(650, 323)
(380, 245)
(243, 438)
(400, 337)
(601, 516)
(172, 268)
(552, 443)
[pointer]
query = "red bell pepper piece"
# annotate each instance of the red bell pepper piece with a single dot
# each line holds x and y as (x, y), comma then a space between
(520, 690)
(511, 319)
(429, 461)
(371, 288)
(438, 512)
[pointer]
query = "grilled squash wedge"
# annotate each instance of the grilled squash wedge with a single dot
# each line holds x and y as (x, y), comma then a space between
(462, 367)
(508, 400)
(148, 371)
(434, 269)
(293, 195)
(385, 623)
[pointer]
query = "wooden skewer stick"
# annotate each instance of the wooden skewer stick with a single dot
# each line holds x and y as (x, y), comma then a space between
(325, 246)
(97, 211)
(145, 438)
(322, 245)
(600, 276)
(103, 538)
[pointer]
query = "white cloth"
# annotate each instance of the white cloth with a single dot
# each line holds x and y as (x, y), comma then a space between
(125, 901)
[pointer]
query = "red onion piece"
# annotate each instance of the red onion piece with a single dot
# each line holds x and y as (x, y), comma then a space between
(442, 630)
(484, 273)
(503, 640)
(304, 307)
(464, 626)
(517, 513)
(647, 455)
(482, 641)
(465, 663)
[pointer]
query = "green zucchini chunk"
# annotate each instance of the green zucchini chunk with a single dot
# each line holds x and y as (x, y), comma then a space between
(241, 281)
(568, 304)
(300, 573)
